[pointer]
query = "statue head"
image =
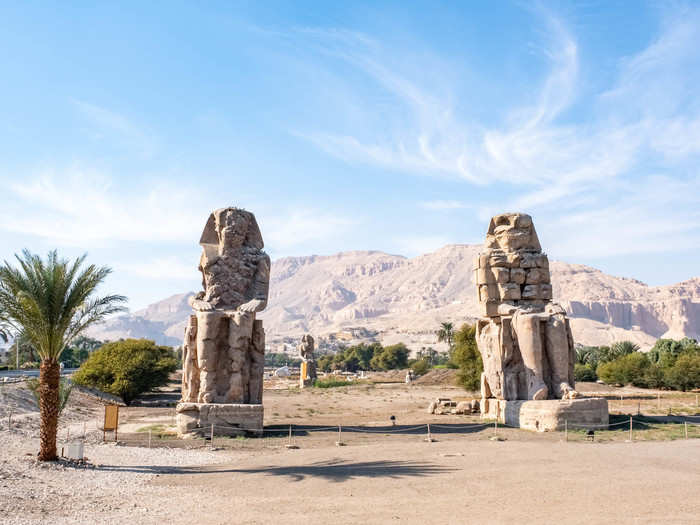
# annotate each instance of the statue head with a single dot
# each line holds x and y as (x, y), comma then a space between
(228, 229)
(511, 232)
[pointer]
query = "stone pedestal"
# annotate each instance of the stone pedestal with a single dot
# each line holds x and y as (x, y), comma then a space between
(195, 419)
(546, 415)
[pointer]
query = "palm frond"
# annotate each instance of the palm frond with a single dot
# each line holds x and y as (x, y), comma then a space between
(50, 300)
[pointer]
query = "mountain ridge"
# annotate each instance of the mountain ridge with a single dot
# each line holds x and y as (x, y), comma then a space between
(356, 295)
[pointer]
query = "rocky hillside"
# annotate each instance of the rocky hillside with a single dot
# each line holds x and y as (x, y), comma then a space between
(355, 295)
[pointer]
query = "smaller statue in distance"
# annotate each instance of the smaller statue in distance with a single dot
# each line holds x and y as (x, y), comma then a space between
(307, 374)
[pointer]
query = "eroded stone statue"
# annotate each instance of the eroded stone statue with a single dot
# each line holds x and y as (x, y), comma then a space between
(524, 338)
(224, 345)
(308, 362)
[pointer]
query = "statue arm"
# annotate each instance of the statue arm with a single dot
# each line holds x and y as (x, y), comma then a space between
(260, 288)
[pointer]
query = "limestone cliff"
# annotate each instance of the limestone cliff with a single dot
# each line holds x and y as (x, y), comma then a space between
(404, 299)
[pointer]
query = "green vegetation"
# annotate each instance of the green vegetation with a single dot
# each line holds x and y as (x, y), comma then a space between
(446, 333)
(331, 382)
(278, 360)
(467, 357)
(669, 364)
(78, 352)
(584, 372)
(50, 303)
(127, 368)
(420, 366)
(372, 356)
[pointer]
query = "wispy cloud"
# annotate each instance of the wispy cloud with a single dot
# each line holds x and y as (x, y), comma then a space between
(111, 123)
(169, 267)
(78, 207)
(294, 229)
(602, 169)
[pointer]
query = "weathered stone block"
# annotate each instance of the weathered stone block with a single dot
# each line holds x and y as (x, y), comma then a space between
(196, 419)
(531, 291)
(489, 308)
(488, 291)
(498, 260)
(485, 276)
(546, 291)
(509, 291)
(517, 275)
(502, 275)
(513, 260)
(535, 276)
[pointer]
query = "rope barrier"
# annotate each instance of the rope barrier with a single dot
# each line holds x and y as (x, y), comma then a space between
(607, 425)
(452, 427)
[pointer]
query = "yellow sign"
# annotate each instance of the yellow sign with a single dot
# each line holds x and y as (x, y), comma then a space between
(111, 417)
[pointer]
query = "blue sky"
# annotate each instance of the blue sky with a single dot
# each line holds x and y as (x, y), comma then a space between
(350, 126)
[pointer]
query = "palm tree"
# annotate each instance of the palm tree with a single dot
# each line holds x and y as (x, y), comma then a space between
(622, 348)
(446, 333)
(52, 302)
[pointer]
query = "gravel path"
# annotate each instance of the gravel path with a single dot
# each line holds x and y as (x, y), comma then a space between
(102, 492)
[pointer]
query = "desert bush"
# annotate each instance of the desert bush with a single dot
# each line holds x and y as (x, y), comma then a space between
(127, 368)
(467, 357)
(584, 372)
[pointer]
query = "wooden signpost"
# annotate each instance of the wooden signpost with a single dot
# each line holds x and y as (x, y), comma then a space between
(111, 420)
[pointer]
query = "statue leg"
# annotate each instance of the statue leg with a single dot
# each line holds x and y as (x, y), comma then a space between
(527, 328)
(558, 352)
(257, 363)
(208, 326)
(239, 339)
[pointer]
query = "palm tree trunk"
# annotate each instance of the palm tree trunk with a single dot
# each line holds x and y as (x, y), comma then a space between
(49, 376)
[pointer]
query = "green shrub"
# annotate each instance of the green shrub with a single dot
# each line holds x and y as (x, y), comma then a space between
(624, 370)
(421, 366)
(685, 372)
(467, 357)
(584, 372)
(331, 382)
(127, 368)
(654, 376)
(390, 357)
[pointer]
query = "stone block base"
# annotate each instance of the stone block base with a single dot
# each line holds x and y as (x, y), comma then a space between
(542, 416)
(196, 419)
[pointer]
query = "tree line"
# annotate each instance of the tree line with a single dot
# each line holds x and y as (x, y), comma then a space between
(672, 364)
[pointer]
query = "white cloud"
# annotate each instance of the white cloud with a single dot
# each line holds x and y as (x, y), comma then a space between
(596, 170)
(160, 268)
(297, 228)
(77, 207)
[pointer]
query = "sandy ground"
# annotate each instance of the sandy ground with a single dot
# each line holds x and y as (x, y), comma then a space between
(384, 476)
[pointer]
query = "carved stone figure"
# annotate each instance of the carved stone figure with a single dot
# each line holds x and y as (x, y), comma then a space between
(308, 362)
(524, 338)
(223, 350)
